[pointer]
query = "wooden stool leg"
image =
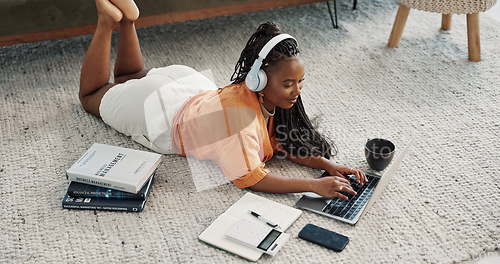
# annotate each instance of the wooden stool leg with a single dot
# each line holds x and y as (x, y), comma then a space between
(399, 26)
(446, 22)
(473, 37)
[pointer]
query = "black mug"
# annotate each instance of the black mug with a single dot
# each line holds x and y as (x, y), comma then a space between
(379, 153)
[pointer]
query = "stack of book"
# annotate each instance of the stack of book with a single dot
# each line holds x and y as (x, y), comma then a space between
(111, 178)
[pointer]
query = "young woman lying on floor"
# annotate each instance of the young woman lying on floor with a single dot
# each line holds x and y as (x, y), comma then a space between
(176, 109)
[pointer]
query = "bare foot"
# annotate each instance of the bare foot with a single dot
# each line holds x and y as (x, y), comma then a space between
(128, 7)
(107, 9)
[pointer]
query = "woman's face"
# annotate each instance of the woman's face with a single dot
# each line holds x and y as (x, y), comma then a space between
(284, 82)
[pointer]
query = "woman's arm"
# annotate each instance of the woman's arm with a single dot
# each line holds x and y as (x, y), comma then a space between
(326, 186)
(320, 162)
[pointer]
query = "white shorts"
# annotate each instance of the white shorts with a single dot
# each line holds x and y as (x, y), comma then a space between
(145, 108)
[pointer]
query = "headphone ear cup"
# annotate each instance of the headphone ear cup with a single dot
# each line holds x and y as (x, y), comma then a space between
(262, 77)
(252, 79)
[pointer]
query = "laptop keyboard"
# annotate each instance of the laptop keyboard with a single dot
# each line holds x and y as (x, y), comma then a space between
(350, 208)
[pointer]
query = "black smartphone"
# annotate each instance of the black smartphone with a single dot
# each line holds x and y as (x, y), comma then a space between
(324, 237)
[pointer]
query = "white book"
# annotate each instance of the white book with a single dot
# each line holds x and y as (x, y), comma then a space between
(114, 167)
(280, 214)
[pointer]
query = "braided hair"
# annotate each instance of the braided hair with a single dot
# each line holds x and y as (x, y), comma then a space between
(294, 130)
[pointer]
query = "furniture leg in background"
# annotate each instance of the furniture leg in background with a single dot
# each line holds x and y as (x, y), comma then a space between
(333, 17)
(335, 22)
(446, 7)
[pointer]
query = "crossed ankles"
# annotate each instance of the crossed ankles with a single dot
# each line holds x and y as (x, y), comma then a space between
(106, 9)
(128, 8)
(117, 10)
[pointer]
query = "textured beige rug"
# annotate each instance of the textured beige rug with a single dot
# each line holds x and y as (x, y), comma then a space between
(441, 207)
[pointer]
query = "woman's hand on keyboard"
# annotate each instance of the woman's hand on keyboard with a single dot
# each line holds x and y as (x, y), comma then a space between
(333, 186)
(343, 171)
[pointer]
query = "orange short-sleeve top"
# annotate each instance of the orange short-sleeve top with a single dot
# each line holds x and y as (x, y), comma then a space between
(227, 127)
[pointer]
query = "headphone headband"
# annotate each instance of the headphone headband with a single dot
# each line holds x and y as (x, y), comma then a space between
(271, 43)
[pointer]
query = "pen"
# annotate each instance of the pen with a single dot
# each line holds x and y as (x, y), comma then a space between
(269, 223)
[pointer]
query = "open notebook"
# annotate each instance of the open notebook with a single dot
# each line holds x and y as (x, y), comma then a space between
(281, 214)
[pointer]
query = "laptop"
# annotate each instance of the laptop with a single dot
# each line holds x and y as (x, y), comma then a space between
(355, 207)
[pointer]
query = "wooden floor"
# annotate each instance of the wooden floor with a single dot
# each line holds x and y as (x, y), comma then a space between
(154, 20)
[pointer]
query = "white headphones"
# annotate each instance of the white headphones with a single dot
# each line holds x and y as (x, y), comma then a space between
(256, 78)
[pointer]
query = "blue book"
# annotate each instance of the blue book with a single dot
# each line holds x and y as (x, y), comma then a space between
(107, 204)
(77, 189)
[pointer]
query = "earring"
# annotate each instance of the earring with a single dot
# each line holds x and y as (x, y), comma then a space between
(261, 98)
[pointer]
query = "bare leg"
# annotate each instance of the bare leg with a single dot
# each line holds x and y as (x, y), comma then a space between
(94, 77)
(129, 62)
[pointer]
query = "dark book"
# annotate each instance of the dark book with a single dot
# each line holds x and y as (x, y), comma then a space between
(77, 189)
(106, 204)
